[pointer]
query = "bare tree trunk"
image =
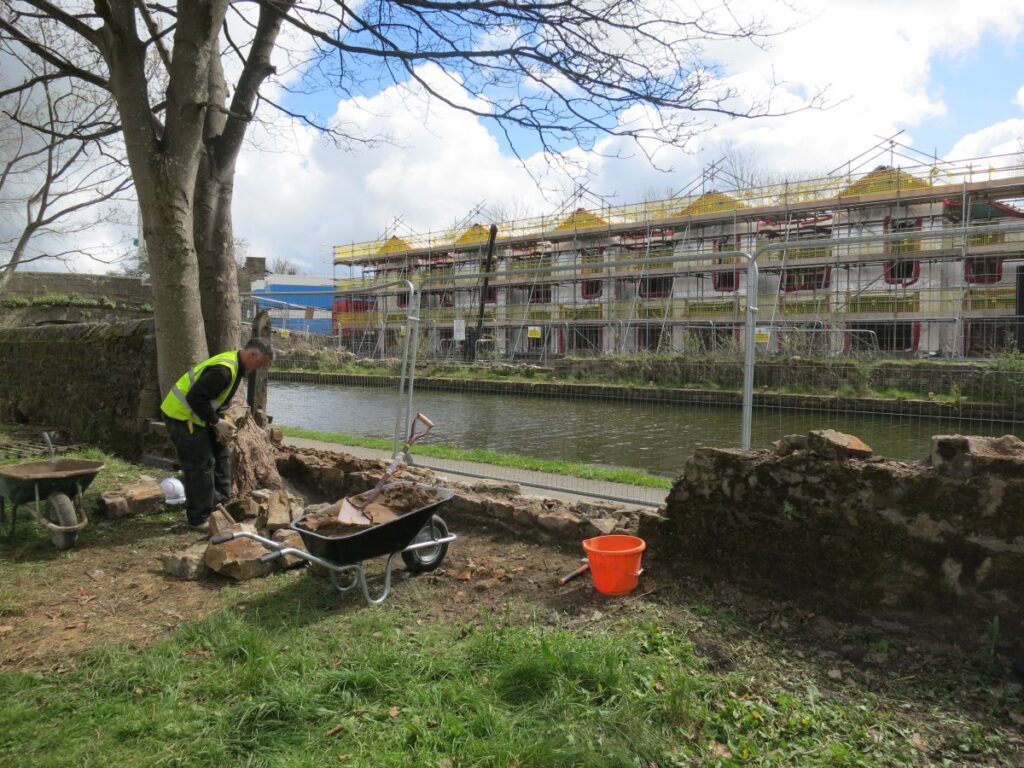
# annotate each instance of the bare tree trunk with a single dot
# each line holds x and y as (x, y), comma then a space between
(214, 236)
(180, 340)
(216, 256)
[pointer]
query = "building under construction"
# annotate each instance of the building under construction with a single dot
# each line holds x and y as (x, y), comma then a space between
(884, 260)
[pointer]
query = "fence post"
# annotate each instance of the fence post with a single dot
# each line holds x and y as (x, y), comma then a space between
(256, 394)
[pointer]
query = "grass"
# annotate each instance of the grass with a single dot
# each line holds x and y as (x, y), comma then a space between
(570, 468)
(367, 689)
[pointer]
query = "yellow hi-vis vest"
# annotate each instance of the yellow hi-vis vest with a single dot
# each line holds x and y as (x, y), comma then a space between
(176, 405)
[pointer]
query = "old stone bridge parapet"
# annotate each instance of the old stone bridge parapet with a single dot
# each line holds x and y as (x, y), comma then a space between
(821, 522)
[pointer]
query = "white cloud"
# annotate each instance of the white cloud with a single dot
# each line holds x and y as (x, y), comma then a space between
(1019, 98)
(1006, 137)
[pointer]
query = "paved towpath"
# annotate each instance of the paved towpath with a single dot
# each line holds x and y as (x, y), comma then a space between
(534, 483)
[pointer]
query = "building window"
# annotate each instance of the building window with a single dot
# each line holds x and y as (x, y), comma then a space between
(491, 295)
(402, 300)
(902, 271)
(908, 245)
(983, 269)
(721, 280)
(656, 287)
(649, 338)
(540, 294)
(591, 289)
(811, 279)
(585, 340)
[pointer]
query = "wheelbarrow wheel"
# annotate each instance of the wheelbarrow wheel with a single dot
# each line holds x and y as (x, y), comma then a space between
(61, 511)
(427, 558)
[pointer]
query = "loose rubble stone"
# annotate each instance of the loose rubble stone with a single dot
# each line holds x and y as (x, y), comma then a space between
(220, 521)
(187, 564)
(598, 526)
(289, 538)
(830, 444)
(238, 558)
(790, 443)
(142, 498)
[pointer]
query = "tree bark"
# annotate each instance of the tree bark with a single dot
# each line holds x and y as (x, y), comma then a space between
(215, 252)
(214, 236)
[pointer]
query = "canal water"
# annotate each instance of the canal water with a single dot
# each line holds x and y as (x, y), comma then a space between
(654, 437)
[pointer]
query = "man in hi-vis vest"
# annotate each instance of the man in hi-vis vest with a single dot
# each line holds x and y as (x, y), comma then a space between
(192, 413)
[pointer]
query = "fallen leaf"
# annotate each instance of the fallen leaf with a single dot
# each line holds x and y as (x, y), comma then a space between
(334, 730)
(4, 628)
(659, 686)
(465, 576)
(393, 712)
(918, 743)
(835, 674)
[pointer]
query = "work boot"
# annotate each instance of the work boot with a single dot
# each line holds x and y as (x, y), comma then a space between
(203, 527)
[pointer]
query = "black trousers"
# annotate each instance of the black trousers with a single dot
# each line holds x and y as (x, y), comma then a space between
(206, 465)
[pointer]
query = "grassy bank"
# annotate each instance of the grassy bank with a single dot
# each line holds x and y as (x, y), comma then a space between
(376, 690)
(572, 469)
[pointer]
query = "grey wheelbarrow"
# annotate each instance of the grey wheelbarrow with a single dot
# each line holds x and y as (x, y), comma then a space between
(53, 490)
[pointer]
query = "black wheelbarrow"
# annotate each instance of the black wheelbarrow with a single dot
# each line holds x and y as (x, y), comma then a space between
(57, 482)
(419, 536)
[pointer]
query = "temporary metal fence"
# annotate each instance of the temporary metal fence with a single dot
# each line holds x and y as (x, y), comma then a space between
(630, 377)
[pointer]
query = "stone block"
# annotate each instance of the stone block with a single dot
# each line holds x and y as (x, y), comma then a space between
(597, 526)
(238, 558)
(279, 511)
(187, 564)
(221, 521)
(292, 539)
(560, 522)
(143, 498)
(830, 444)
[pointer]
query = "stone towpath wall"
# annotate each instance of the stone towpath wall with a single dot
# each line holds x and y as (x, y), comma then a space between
(821, 522)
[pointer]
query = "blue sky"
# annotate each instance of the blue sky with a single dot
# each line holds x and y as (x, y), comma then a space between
(978, 87)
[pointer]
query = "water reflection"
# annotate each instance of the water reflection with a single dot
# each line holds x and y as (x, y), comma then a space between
(655, 437)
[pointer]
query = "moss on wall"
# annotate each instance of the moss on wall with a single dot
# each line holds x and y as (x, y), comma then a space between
(97, 381)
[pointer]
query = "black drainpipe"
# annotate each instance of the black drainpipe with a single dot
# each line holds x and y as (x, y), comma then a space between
(1020, 307)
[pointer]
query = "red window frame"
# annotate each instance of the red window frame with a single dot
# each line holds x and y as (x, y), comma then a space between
(491, 297)
(591, 289)
(890, 278)
(971, 275)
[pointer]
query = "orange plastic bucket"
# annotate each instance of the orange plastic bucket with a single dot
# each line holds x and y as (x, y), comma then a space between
(615, 562)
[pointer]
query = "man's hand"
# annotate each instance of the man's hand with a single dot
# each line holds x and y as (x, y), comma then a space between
(224, 431)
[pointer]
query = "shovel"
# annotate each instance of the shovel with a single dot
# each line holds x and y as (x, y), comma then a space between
(352, 512)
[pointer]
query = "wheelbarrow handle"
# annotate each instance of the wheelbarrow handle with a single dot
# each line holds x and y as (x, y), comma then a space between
(222, 538)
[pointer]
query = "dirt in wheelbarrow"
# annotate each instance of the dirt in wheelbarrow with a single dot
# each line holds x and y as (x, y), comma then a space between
(392, 503)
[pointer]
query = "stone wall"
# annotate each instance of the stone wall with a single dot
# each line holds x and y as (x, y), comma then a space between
(823, 523)
(128, 291)
(324, 476)
(98, 382)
